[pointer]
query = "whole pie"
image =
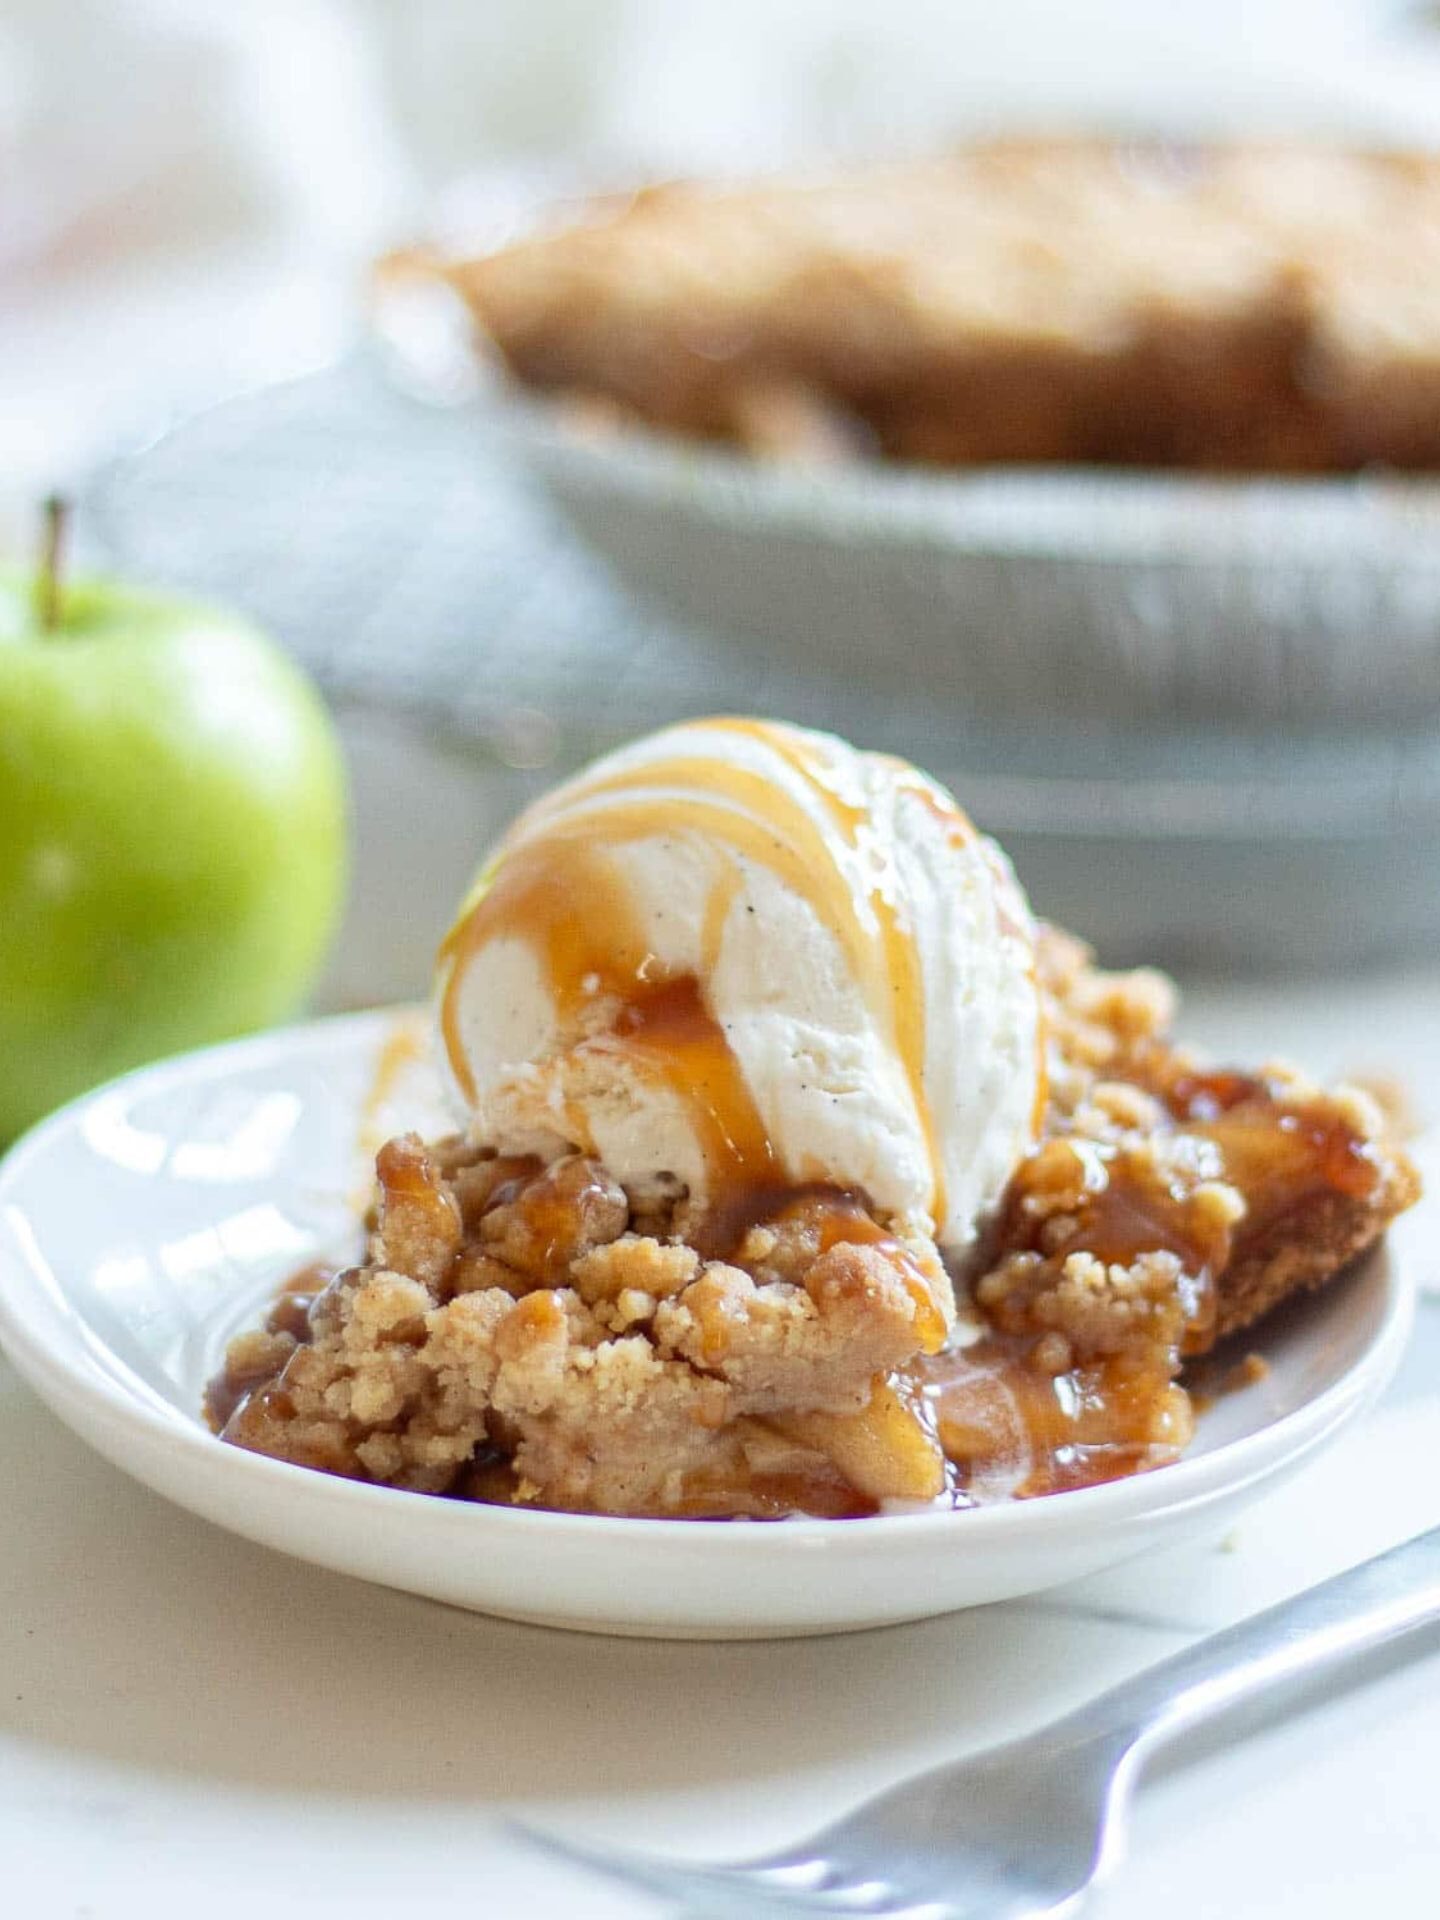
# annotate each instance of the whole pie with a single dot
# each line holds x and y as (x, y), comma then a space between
(795, 1170)
(1244, 307)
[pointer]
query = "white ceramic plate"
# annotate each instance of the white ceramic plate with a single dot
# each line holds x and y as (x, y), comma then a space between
(1051, 592)
(144, 1224)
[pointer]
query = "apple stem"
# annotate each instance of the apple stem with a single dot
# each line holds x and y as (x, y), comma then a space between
(52, 549)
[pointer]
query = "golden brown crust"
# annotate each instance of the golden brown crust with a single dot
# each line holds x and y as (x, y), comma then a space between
(1314, 1176)
(1290, 1257)
(1262, 308)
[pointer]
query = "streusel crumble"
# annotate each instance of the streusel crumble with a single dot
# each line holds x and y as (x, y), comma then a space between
(536, 1332)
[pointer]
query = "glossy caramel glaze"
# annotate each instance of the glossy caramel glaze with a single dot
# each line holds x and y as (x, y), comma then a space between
(823, 1217)
(1077, 1421)
(289, 1315)
(556, 886)
(1010, 1429)
(1280, 1157)
(894, 980)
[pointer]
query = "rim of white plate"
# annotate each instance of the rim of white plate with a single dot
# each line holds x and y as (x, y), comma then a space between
(68, 1369)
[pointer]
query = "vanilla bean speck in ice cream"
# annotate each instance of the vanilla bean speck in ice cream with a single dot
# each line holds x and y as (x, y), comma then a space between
(748, 956)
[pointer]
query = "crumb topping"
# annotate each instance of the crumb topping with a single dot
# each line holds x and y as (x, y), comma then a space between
(512, 1306)
(535, 1333)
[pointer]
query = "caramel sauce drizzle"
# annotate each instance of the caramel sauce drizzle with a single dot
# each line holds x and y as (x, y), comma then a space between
(834, 1216)
(991, 1410)
(567, 899)
(669, 1027)
(873, 879)
(1278, 1158)
(554, 887)
(1116, 1415)
(404, 1045)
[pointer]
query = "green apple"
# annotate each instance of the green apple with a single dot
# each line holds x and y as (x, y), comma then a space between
(172, 835)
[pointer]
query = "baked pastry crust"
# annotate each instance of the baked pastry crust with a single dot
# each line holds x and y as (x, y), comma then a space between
(536, 1334)
(1245, 308)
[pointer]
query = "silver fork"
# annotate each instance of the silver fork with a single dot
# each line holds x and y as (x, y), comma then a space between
(1023, 1831)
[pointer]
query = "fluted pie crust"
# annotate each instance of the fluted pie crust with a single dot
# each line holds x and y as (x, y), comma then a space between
(536, 1335)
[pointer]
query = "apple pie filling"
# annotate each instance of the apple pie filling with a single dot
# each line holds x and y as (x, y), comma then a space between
(537, 1333)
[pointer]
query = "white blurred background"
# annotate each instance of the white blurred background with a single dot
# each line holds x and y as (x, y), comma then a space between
(192, 192)
(189, 190)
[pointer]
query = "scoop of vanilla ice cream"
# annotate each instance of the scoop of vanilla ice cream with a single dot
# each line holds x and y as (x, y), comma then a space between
(738, 951)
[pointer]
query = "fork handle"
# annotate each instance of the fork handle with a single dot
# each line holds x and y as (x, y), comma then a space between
(1318, 1633)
